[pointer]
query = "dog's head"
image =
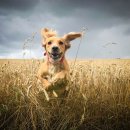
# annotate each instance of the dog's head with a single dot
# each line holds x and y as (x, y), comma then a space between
(56, 46)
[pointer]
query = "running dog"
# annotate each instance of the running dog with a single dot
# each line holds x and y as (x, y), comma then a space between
(54, 71)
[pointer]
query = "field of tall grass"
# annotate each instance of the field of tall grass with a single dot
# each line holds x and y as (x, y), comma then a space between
(98, 98)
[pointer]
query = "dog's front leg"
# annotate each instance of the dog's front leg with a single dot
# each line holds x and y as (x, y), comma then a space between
(44, 82)
(60, 76)
(58, 80)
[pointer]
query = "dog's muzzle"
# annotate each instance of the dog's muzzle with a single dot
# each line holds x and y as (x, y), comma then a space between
(55, 53)
(55, 56)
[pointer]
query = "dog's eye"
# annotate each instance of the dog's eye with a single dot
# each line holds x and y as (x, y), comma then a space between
(61, 43)
(49, 43)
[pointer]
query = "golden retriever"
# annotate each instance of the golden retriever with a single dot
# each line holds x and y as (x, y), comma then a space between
(55, 69)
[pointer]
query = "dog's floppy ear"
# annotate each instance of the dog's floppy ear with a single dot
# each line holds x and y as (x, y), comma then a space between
(71, 36)
(46, 33)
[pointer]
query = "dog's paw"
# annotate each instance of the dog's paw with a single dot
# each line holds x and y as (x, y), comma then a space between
(47, 85)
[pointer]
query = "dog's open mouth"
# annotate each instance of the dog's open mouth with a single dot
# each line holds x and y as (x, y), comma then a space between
(55, 56)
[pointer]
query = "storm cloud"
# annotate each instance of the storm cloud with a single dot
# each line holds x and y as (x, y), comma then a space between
(107, 22)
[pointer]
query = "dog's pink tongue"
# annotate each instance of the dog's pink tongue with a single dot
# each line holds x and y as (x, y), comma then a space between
(55, 54)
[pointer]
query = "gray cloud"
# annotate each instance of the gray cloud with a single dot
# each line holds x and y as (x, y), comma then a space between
(120, 8)
(107, 21)
(18, 4)
(127, 31)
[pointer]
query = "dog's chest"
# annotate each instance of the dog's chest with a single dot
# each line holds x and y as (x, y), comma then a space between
(54, 69)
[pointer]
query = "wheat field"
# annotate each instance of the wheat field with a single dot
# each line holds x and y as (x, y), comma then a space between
(98, 98)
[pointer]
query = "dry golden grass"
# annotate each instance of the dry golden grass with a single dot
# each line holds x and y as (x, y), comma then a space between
(99, 97)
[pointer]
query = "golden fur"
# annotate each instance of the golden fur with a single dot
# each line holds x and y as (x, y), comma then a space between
(55, 68)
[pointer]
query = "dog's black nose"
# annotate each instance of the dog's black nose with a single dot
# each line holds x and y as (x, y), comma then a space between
(55, 48)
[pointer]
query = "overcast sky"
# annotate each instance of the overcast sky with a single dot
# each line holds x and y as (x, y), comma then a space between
(108, 23)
